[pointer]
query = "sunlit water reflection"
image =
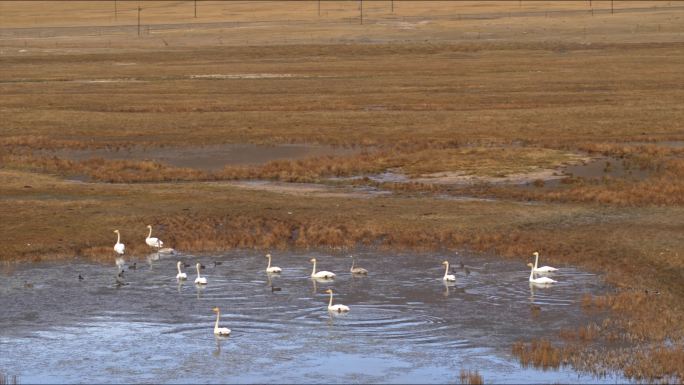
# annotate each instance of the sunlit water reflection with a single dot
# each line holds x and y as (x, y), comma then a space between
(405, 324)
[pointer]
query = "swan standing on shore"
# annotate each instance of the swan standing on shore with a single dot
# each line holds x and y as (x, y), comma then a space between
(357, 270)
(336, 308)
(272, 269)
(321, 274)
(153, 242)
(119, 247)
(540, 280)
(543, 269)
(448, 277)
(200, 280)
(180, 276)
(217, 330)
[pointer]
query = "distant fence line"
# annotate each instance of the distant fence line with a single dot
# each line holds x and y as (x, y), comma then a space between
(46, 32)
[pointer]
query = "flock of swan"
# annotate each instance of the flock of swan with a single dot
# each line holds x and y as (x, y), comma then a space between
(157, 244)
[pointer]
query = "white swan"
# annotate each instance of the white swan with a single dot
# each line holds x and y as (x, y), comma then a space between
(540, 280)
(180, 276)
(119, 247)
(336, 308)
(321, 274)
(217, 330)
(272, 269)
(543, 269)
(357, 270)
(448, 277)
(200, 280)
(153, 242)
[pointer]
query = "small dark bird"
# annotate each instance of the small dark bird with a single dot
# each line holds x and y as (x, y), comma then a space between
(134, 266)
(461, 265)
(80, 277)
(273, 288)
(28, 285)
(467, 271)
(186, 264)
(217, 263)
(202, 266)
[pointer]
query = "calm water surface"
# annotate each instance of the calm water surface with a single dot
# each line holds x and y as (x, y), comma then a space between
(405, 324)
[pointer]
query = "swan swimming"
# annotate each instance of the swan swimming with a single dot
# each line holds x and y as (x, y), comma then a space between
(180, 275)
(448, 277)
(217, 330)
(540, 280)
(153, 242)
(357, 270)
(119, 247)
(272, 269)
(200, 280)
(321, 274)
(336, 308)
(543, 269)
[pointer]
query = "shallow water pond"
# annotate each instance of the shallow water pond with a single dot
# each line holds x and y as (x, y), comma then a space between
(405, 324)
(208, 158)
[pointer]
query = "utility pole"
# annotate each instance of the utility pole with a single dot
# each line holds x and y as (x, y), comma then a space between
(115, 10)
(195, 8)
(611, 7)
(392, 3)
(319, 8)
(139, 9)
(361, 9)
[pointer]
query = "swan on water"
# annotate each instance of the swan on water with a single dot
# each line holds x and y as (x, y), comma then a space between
(540, 280)
(200, 280)
(180, 275)
(357, 270)
(543, 269)
(272, 269)
(448, 277)
(335, 308)
(153, 242)
(217, 330)
(119, 247)
(321, 274)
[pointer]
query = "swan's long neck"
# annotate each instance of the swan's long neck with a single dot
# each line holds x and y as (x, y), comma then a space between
(178, 265)
(118, 237)
(536, 259)
(150, 234)
(198, 274)
(218, 314)
(330, 303)
(446, 271)
(314, 268)
(269, 263)
(352, 268)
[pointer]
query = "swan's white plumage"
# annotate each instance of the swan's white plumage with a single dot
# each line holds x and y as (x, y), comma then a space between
(217, 330)
(543, 269)
(321, 274)
(448, 277)
(540, 280)
(357, 270)
(272, 269)
(339, 308)
(200, 280)
(153, 242)
(119, 247)
(180, 275)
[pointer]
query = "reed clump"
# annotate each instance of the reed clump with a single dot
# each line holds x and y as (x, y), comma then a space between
(470, 377)
(539, 353)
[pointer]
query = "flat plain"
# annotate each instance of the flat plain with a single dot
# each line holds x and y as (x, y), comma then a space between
(454, 122)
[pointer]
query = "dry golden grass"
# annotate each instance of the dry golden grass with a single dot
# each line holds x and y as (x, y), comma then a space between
(470, 377)
(428, 88)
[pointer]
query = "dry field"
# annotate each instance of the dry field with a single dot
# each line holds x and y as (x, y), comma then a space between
(427, 89)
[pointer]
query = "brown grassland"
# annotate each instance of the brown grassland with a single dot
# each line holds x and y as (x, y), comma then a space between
(485, 89)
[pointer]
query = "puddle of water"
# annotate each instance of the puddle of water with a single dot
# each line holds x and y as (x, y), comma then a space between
(208, 158)
(405, 324)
